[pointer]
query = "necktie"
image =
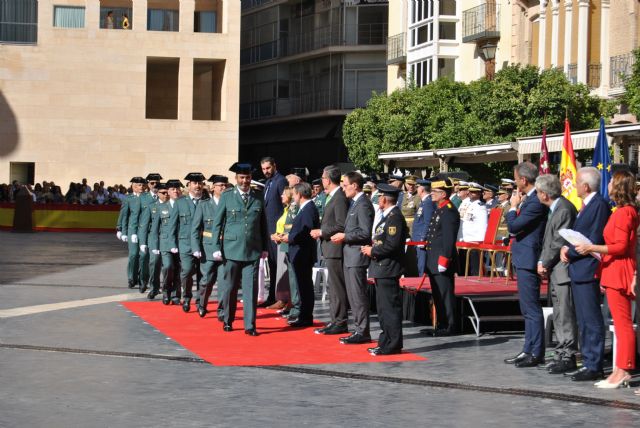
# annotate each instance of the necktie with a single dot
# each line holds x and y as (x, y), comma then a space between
(245, 198)
(328, 199)
(266, 190)
(195, 202)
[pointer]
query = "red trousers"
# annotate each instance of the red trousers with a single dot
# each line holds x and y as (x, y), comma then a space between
(620, 306)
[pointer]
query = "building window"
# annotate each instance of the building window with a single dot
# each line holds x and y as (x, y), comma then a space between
(162, 88)
(18, 21)
(163, 15)
(421, 10)
(447, 68)
(207, 16)
(208, 75)
(447, 30)
(421, 72)
(116, 14)
(23, 172)
(448, 7)
(68, 17)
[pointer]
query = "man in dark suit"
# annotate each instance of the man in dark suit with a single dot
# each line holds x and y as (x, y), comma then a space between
(526, 221)
(582, 269)
(333, 219)
(421, 222)
(273, 209)
(357, 232)
(387, 256)
(562, 216)
(441, 264)
(302, 252)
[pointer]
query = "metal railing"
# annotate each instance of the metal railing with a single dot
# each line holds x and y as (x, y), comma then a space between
(18, 33)
(396, 49)
(481, 22)
(621, 69)
(318, 38)
(593, 75)
(250, 4)
(314, 101)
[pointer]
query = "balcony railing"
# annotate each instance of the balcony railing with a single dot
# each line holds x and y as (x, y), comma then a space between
(396, 49)
(250, 4)
(621, 68)
(314, 101)
(593, 75)
(481, 23)
(362, 34)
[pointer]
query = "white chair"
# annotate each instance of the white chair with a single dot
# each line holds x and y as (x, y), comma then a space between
(319, 276)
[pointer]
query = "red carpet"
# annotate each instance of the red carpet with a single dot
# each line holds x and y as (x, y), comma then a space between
(473, 285)
(278, 344)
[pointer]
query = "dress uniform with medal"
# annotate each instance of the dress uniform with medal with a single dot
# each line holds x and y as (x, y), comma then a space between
(441, 255)
(387, 257)
(410, 201)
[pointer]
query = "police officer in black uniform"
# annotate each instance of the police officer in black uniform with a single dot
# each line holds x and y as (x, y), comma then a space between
(387, 256)
(441, 256)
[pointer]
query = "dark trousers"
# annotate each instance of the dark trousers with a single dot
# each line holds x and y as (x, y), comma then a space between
(170, 274)
(389, 313)
(422, 260)
(529, 298)
(444, 299)
(586, 299)
(358, 293)
(241, 274)
(273, 270)
(144, 266)
(155, 265)
(338, 302)
(305, 287)
(210, 273)
(189, 266)
(133, 265)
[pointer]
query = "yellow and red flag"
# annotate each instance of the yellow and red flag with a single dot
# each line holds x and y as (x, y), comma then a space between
(568, 169)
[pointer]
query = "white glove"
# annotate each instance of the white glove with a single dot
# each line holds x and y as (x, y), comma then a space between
(420, 246)
(441, 268)
(264, 254)
(156, 252)
(174, 251)
(134, 239)
(143, 248)
(197, 254)
(119, 235)
(217, 256)
(124, 238)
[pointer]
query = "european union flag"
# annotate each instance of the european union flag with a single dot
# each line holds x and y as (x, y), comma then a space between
(602, 161)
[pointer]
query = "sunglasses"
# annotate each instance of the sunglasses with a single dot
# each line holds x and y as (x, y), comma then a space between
(163, 193)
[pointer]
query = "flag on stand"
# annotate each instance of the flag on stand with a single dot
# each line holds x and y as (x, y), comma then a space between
(543, 168)
(602, 160)
(568, 169)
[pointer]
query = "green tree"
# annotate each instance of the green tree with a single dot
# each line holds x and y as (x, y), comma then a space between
(632, 86)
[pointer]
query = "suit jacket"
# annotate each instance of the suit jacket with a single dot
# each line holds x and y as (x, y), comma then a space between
(239, 230)
(180, 224)
(563, 217)
(335, 214)
(441, 237)
(387, 253)
(357, 232)
(590, 222)
(619, 264)
(202, 228)
(422, 220)
(145, 222)
(302, 247)
(273, 200)
(527, 228)
(161, 236)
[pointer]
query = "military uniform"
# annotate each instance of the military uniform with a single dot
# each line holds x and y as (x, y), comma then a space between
(155, 260)
(441, 260)
(319, 201)
(386, 267)
(420, 226)
(129, 218)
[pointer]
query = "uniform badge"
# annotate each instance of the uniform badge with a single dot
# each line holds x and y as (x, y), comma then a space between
(392, 230)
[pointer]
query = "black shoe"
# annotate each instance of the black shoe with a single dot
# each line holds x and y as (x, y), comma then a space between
(336, 329)
(202, 311)
(165, 299)
(442, 332)
(227, 327)
(142, 288)
(284, 312)
(379, 351)
(175, 301)
(152, 295)
(562, 366)
(584, 374)
(186, 305)
(300, 323)
(321, 330)
(131, 284)
(355, 339)
(251, 332)
(520, 356)
(529, 361)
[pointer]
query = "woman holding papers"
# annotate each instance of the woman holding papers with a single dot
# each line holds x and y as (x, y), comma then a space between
(618, 270)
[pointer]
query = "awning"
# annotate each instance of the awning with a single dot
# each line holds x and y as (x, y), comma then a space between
(501, 152)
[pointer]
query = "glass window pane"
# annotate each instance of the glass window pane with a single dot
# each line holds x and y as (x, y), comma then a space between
(423, 34)
(68, 17)
(18, 21)
(447, 7)
(447, 30)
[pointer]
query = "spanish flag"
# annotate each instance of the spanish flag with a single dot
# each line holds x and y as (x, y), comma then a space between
(568, 170)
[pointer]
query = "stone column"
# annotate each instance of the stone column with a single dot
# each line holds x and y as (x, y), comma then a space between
(583, 41)
(605, 71)
(139, 19)
(187, 9)
(555, 29)
(542, 34)
(568, 30)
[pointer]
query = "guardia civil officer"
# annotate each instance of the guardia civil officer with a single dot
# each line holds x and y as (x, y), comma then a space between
(441, 256)
(202, 244)
(129, 219)
(181, 219)
(240, 237)
(144, 235)
(387, 254)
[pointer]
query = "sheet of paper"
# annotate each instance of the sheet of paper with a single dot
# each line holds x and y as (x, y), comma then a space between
(577, 238)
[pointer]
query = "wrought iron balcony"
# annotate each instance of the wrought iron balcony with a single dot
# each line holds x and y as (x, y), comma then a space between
(481, 23)
(621, 68)
(593, 75)
(396, 49)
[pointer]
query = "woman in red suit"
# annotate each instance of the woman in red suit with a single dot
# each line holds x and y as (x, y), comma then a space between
(617, 273)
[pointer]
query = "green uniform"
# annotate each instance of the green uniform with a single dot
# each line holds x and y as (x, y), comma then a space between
(155, 260)
(409, 207)
(456, 201)
(162, 239)
(320, 200)
(202, 240)
(240, 234)
(131, 211)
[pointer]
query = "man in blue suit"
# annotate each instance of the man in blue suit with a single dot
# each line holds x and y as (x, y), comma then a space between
(526, 221)
(302, 252)
(421, 222)
(273, 209)
(582, 270)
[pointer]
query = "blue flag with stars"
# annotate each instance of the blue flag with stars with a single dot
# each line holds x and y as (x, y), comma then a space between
(602, 160)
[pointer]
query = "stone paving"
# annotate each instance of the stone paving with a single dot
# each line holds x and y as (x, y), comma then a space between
(102, 366)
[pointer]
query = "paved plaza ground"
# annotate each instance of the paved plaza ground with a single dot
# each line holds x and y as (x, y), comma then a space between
(92, 363)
